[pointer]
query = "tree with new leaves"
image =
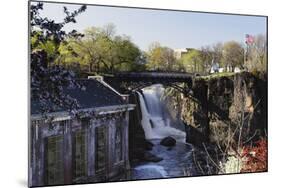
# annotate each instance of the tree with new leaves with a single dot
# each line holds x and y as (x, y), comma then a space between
(104, 52)
(161, 58)
(124, 56)
(48, 79)
(192, 61)
(87, 50)
(232, 55)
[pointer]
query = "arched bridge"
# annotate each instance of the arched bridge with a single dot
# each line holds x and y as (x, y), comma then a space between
(129, 81)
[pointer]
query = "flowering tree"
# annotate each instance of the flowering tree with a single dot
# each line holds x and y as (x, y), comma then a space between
(48, 79)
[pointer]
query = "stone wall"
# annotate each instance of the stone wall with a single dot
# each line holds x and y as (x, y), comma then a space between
(136, 133)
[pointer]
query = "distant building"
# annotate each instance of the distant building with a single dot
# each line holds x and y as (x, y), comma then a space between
(88, 148)
(237, 70)
(216, 68)
(180, 52)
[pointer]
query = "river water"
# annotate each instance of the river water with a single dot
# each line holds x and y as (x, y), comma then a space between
(157, 124)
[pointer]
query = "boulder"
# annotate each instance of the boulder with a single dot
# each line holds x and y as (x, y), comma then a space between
(151, 158)
(148, 145)
(168, 141)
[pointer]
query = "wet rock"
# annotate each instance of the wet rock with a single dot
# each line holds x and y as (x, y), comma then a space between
(148, 145)
(168, 141)
(138, 154)
(151, 123)
(195, 136)
(151, 158)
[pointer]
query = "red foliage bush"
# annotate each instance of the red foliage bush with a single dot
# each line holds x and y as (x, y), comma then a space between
(255, 157)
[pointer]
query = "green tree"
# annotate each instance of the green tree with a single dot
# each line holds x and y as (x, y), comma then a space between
(124, 54)
(103, 51)
(161, 58)
(192, 61)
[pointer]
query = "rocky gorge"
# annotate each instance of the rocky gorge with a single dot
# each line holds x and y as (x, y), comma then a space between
(220, 113)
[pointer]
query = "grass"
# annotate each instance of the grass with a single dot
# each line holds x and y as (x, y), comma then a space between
(216, 75)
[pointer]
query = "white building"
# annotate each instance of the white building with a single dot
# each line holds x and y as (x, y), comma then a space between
(180, 52)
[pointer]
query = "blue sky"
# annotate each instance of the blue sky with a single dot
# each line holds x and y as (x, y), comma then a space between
(174, 29)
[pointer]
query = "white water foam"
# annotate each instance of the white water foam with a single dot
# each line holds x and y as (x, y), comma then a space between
(151, 169)
(154, 124)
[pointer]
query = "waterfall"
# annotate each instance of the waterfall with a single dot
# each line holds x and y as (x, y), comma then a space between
(155, 124)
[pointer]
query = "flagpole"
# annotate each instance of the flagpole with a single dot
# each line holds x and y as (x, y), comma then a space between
(244, 56)
(249, 41)
(246, 49)
(244, 65)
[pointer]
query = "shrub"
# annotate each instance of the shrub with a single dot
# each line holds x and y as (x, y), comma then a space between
(255, 157)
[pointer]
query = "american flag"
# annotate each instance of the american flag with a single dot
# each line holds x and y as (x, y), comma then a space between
(249, 39)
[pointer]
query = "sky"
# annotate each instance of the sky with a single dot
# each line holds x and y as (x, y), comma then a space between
(174, 29)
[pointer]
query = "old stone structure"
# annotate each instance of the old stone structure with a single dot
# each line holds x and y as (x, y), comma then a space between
(89, 147)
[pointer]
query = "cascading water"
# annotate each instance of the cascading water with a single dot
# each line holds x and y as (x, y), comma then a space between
(155, 123)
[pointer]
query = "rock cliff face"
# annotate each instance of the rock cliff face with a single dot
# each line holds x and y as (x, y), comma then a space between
(233, 107)
(195, 113)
